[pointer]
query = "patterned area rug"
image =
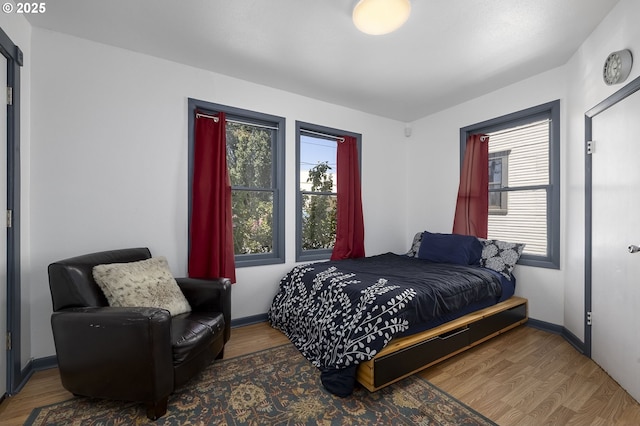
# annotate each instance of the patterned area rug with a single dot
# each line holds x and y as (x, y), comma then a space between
(273, 387)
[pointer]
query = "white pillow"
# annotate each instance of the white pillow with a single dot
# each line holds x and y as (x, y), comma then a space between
(147, 283)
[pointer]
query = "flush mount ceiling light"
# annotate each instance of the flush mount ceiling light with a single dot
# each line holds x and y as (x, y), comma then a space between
(377, 17)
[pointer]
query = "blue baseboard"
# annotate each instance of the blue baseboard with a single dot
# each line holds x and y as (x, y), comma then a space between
(44, 363)
(557, 329)
(34, 365)
(254, 319)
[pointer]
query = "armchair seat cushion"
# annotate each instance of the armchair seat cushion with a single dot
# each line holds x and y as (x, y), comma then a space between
(193, 333)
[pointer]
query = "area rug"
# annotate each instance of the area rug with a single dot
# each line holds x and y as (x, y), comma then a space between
(276, 386)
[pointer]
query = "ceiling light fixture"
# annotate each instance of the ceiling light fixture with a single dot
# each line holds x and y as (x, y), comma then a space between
(377, 17)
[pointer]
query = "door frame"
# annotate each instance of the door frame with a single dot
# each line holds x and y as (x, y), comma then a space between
(612, 100)
(14, 61)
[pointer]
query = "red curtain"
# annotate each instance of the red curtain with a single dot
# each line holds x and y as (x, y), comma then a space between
(211, 254)
(350, 224)
(472, 209)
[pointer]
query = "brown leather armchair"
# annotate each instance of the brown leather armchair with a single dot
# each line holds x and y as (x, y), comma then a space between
(133, 354)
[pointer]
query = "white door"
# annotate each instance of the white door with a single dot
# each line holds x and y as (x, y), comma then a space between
(3, 232)
(615, 344)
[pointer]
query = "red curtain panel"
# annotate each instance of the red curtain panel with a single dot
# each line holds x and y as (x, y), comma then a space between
(211, 254)
(350, 224)
(472, 208)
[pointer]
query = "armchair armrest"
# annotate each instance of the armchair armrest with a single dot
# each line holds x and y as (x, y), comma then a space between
(209, 296)
(114, 352)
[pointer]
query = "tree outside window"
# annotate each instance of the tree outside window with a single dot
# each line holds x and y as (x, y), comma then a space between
(319, 208)
(316, 155)
(250, 172)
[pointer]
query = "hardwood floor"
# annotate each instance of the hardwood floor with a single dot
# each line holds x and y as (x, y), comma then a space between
(523, 377)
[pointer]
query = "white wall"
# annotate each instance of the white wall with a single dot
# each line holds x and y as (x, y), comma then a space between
(109, 163)
(19, 31)
(555, 296)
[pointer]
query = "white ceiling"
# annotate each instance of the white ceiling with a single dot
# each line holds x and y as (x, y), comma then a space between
(448, 52)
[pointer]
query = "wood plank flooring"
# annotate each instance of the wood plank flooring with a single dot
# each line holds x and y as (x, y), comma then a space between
(523, 377)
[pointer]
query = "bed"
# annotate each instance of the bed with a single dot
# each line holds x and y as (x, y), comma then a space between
(378, 319)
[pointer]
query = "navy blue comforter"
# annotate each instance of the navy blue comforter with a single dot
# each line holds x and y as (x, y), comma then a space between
(341, 313)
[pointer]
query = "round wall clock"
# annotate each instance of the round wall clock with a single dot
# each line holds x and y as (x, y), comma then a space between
(617, 67)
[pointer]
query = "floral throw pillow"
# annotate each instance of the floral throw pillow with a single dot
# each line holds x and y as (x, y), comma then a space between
(415, 245)
(501, 256)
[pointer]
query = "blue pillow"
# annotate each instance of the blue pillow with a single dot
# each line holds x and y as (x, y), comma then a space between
(450, 248)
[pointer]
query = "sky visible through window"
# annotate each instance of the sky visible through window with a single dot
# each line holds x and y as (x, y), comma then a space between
(315, 150)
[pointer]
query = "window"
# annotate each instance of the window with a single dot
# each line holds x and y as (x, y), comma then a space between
(524, 180)
(316, 173)
(255, 158)
(498, 179)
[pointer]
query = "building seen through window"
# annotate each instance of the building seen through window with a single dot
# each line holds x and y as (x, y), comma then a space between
(518, 166)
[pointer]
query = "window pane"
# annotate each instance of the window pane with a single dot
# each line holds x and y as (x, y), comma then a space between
(252, 221)
(528, 153)
(318, 221)
(525, 221)
(498, 201)
(495, 172)
(317, 164)
(249, 155)
(498, 179)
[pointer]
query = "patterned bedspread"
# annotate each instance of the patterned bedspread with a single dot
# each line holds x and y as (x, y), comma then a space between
(341, 313)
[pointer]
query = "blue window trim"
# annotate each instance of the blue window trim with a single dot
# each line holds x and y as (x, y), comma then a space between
(318, 254)
(278, 152)
(550, 110)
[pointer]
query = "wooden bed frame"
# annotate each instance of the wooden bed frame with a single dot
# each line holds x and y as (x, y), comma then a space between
(407, 355)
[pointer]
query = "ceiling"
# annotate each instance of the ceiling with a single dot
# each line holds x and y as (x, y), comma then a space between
(449, 51)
